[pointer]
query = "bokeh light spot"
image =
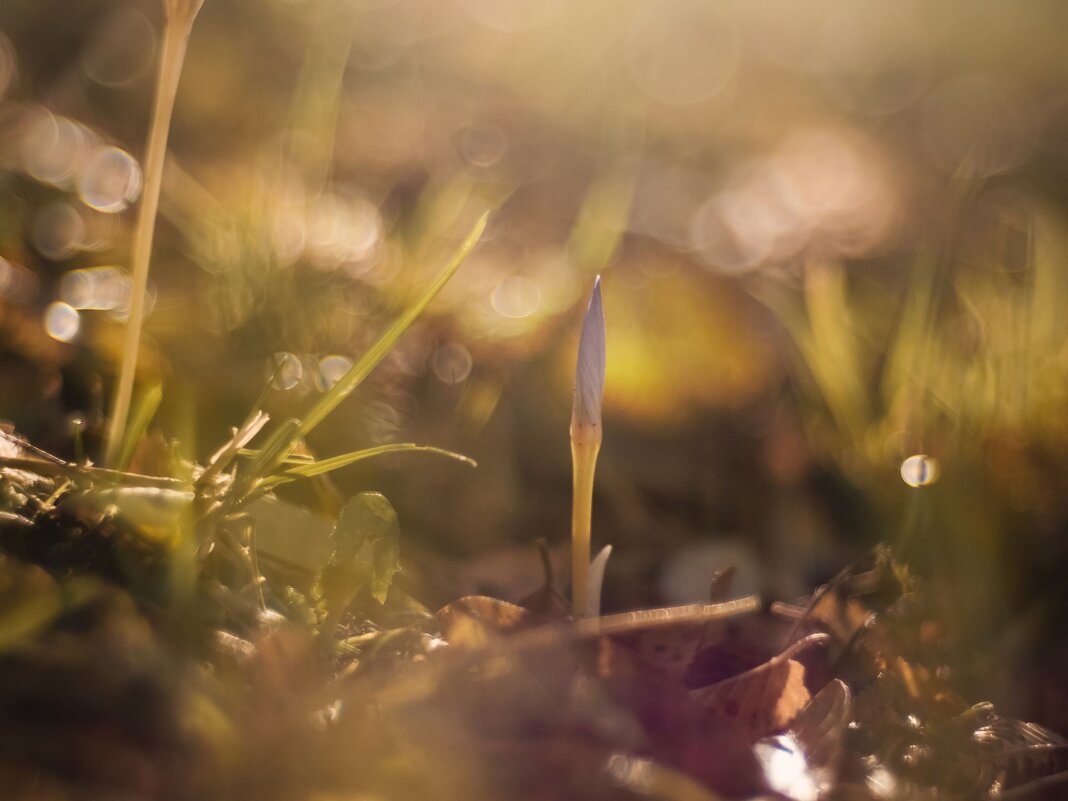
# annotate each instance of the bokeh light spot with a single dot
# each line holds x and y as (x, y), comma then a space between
(100, 288)
(58, 231)
(121, 50)
(53, 147)
(62, 321)
(17, 284)
(920, 470)
(452, 363)
(786, 769)
(481, 145)
(340, 231)
(110, 180)
(516, 297)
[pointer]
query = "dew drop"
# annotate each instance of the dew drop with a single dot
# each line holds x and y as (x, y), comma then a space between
(919, 470)
(62, 321)
(331, 369)
(286, 369)
(76, 423)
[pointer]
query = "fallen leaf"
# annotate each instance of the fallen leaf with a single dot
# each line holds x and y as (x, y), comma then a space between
(760, 701)
(472, 621)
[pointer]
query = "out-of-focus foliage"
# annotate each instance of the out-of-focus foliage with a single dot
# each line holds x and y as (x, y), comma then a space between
(832, 237)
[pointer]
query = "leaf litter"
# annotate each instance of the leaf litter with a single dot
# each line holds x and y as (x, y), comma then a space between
(149, 650)
(356, 688)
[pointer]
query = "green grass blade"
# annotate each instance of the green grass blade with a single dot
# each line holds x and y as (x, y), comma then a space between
(293, 458)
(359, 371)
(222, 458)
(279, 446)
(274, 449)
(345, 459)
(602, 219)
(145, 410)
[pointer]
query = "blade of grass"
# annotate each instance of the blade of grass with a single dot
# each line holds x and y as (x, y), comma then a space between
(293, 458)
(275, 449)
(278, 447)
(221, 459)
(91, 476)
(359, 371)
(144, 411)
(602, 219)
(178, 25)
(254, 423)
(830, 346)
(345, 459)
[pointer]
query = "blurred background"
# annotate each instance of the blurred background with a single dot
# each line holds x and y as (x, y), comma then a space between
(832, 238)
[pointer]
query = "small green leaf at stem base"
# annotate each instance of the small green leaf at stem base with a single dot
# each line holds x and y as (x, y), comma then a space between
(367, 533)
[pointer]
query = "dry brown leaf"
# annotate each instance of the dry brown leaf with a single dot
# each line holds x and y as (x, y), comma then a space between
(760, 701)
(670, 651)
(472, 621)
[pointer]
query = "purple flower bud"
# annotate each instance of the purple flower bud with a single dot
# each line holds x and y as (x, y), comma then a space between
(589, 373)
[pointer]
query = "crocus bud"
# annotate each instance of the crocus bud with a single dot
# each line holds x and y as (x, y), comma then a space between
(585, 443)
(589, 372)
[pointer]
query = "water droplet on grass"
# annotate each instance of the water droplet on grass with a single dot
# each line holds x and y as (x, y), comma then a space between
(287, 370)
(76, 422)
(331, 369)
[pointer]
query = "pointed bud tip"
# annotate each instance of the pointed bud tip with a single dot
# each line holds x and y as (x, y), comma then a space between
(590, 370)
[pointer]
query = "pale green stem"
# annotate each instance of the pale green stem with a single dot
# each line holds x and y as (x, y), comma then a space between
(585, 445)
(175, 38)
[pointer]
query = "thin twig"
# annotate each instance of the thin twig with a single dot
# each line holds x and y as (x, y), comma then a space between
(76, 472)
